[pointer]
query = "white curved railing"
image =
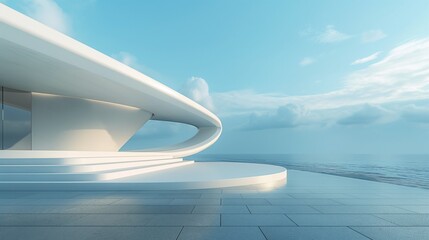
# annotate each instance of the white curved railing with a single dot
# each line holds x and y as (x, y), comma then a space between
(204, 138)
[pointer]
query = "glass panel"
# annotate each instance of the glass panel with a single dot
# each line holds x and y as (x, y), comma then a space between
(17, 119)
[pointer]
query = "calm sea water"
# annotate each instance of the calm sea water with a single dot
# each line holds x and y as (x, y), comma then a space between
(408, 170)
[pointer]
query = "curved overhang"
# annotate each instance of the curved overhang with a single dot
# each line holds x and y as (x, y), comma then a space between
(39, 59)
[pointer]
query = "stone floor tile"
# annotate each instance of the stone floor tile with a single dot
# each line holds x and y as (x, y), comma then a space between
(360, 209)
(384, 201)
(311, 233)
(202, 201)
(406, 219)
(291, 201)
(338, 220)
(50, 201)
(245, 201)
(35, 209)
(211, 195)
(220, 209)
(282, 209)
(184, 220)
(394, 233)
(144, 201)
(221, 233)
(38, 219)
(256, 220)
(111, 220)
(53, 195)
(265, 195)
(130, 209)
(89, 233)
(416, 208)
(320, 195)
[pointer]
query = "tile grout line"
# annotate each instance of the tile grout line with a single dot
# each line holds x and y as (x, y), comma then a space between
(317, 210)
(411, 212)
(180, 232)
(354, 230)
(248, 209)
(291, 219)
(263, 234)
(374, 215)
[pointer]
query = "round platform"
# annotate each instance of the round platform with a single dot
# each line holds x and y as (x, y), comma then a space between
(200, 175)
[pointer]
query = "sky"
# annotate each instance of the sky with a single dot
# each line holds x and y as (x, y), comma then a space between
(302, 77)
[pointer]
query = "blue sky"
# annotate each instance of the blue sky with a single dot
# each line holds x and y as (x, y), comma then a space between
(284, 76)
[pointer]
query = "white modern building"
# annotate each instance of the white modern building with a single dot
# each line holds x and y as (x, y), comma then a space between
(67, 109)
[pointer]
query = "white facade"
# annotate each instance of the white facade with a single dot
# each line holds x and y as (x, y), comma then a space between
(80, 108)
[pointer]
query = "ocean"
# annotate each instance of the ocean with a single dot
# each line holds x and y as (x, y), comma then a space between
(408, 170)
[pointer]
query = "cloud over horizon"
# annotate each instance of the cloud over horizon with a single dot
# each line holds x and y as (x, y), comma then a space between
(366, 114)
(197, 89)
(400, 77)
(286, 116)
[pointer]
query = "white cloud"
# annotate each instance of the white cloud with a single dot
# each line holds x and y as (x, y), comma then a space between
(400, 77)
(197, 89)
(373, 35)
(403, 74)
(306, 61)
(369, 58)
(49, 13)
(286, 116)
(126, 58)
(367, 114)
(331, 35)
(134, 62)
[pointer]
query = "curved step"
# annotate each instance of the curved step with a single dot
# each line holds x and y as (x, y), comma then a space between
(194, 176)
(81, 168)
(95, 176)
(77, 161)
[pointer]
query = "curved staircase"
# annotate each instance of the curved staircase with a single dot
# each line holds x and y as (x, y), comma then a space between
(124, 171)
(83, 168)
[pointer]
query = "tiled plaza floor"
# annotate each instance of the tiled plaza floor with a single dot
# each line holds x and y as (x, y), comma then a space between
(309, 206)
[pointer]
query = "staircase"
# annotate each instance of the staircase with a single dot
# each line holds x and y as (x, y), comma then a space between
(78, 169)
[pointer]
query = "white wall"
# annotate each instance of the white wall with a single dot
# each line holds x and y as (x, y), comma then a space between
(63, 123)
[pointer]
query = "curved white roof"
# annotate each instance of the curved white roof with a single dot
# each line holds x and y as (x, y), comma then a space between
(57, 64)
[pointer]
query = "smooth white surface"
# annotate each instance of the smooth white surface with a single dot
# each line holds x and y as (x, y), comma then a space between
(80, 168)
(80, 160)
(198, 175)
(39, 59)
(44, 154)
(77, 176)
(64, 123)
